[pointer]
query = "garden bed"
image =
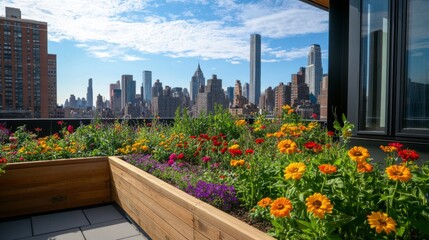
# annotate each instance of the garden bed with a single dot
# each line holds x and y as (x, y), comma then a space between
(160, 209)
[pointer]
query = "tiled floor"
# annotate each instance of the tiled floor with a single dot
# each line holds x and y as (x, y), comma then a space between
(92, 223)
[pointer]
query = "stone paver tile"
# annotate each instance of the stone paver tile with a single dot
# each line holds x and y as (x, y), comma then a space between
(71, 234)
(138, 237)
(15, 229)
(55, 222)
(102, 214)
(112, 230)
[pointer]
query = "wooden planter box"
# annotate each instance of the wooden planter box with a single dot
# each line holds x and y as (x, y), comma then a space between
(161, 210)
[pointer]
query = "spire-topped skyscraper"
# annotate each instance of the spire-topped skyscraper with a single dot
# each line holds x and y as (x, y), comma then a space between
(198, 81)
(314, 72)
(255, 69)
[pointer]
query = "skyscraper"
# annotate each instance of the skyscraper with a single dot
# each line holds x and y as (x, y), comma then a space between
(314, 72)
(246, 90)
(255, 69)
(212, 95)
(198, 81)
(147, 86)
(24, 87)
(128, 93)
(52, 85)
(89, 94)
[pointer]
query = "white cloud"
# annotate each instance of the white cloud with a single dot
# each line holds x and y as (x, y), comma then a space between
(111, 29)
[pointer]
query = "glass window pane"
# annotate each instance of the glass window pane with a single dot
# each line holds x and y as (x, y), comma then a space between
(416, 102)
(374, 65)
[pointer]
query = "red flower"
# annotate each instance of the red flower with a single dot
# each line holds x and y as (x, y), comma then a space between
(193, 137)
(249, 151)
(223, 150)
(330, 133)
(259, 140)
(397, 145)
(205, 159)
(70, 129)
(408, 155)
(60, 122)
(3, 160)
(310, 145)
(180, 156)
(314, 116)
(38, 129)
(235, 152)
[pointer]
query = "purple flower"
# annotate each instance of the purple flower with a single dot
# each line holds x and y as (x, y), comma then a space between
(219, 195)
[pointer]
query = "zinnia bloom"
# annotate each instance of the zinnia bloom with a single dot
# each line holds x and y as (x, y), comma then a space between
(70, 129)
(397, 145)
(387, 149)
(398, 172)
(318, 204)
(408, 155)
(236, 163)
(363, 167)
(240, 122)
(259, 140)
(328, 168)
(281, 207)
(287, 146)
(265, 202)
(358, 154)
(381, 222)
(294, 170)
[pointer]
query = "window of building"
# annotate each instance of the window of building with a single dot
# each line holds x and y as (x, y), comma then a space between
(415, 95)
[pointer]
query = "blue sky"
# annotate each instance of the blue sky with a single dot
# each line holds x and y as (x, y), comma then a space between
(103, 39)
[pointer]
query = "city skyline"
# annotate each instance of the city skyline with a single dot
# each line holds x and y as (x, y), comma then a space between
(128, 37)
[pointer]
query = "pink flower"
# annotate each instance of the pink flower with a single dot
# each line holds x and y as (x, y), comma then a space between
(70, 129)
(60, 122)
(172, 157)
(314, 116)
(206, 159)
(170, 162)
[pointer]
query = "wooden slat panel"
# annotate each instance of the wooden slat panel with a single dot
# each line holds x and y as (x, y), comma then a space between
(208, 222)
(35, 187)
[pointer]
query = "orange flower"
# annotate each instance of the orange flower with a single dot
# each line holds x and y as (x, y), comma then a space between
(388, 149)
(381, 222)
(318, 204)
(236, 163)
(281, 207)
(398, 172)
(358, 154)
(287, 146)
(364, 167)
(328, 168)
(265, 202)
(294, 171)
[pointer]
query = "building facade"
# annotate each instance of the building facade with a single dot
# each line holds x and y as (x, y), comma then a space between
(255, 69)
(128, 94)
(89, 95)
(212, 95)
(198, 81)
(147, 86)
(314, 71)
(52, 85)
(24, 80)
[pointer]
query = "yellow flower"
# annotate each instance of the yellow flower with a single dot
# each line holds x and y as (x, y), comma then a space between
(240, 122)
(318, 204)
(290, 111)
(388, 149)
(281, 207)
(286, 107)
(381, 222)
(287, 146)
(236, 163)
(294, 170)
(265, 202)
(233, 147)
(279, 134)
(358, 154)
(398, 172)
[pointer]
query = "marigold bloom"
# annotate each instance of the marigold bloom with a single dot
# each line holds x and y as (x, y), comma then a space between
(363, 167)
(236, 163)
(388, 149)
(381, 222)
(287, 146)
(281, 207)
(294, 170)
(398, 172)
(265, 202)
(240, 122)
(358, 154)
(397, 145)
(327, 168)
(318, 204)
(408, 155)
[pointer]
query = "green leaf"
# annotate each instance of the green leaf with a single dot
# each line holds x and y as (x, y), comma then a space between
(340, 220)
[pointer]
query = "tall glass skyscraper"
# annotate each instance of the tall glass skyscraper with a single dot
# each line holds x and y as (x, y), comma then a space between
(314, 72)
(89, 94)
(255, 69)
(147, 86)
